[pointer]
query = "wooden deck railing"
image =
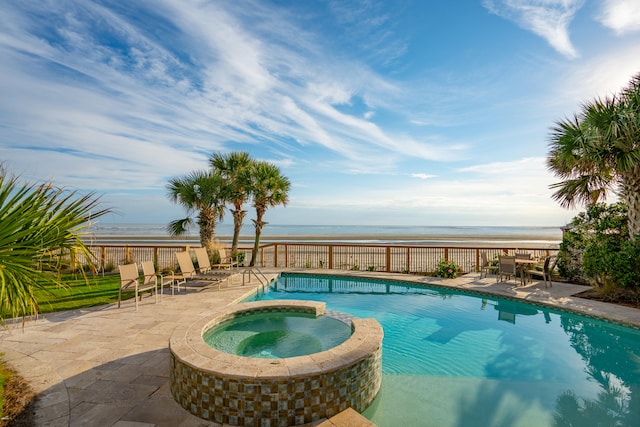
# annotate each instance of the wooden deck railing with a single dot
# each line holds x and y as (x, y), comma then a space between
(338, 256)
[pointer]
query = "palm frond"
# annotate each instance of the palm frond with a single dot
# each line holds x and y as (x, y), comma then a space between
(180, 227)
(38, 225)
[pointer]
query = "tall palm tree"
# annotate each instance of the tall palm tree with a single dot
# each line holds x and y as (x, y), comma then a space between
(38, 224)
(598, 151)
(234, 168)
(199, 192)
(269, 188)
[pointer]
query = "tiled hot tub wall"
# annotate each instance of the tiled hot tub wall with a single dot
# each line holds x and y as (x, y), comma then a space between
(238, 390)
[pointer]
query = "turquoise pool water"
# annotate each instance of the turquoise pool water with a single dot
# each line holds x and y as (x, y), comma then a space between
(277, 335)
(455, 359)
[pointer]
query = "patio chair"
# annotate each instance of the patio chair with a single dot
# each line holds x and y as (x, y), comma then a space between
(506, 267)
(545, 273)
(129, 278)
(204, 264)
(161, 280)
(189, 271)
(226, 261)
(485, 266)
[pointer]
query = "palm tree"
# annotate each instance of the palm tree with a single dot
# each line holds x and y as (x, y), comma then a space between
(234, 169)
(201, 192)
(269, 188)
(598, 151)
(38, 224)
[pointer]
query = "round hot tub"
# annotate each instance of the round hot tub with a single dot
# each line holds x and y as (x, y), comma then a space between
(277, 363)
(277, 334)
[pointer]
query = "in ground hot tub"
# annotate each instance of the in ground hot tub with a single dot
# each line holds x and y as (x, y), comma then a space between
(220, 385)
(277, 334)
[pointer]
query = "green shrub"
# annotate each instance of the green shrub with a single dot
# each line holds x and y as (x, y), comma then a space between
(239, 256)
(446, 269)
(593, 234)
(597, 248)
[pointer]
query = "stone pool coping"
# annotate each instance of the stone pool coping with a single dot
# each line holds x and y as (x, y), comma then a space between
(186, 344)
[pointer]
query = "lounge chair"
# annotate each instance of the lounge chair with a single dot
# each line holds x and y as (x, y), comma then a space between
(204, 264)
(161, 280)
(486, 266)
(545, 273)
(130, 278)
(506, 267)
(189, 271)
(226, 261)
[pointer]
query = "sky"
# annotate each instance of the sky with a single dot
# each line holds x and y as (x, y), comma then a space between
(406, 112)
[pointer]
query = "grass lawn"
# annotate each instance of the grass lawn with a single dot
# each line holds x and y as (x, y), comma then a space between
(78, 293)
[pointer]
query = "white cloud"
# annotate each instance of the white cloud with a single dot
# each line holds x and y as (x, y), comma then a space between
(422, 175)
(598, 76)
(622, 16)
(549, 19)
(150, 112)
(507, 193)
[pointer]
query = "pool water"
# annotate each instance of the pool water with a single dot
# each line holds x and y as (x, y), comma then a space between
(277, 334)
(456, 359)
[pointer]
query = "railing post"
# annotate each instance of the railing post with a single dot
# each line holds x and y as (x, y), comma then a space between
(275, 255)
(446, 254)
(387, 260)
(103, 257)
(127, 254)
(286, 255)
(408, 261)
(155, 257)
(477, 259)
(330, 260)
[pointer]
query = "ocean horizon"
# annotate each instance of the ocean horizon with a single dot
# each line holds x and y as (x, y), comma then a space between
(310, 229)
(396, 234)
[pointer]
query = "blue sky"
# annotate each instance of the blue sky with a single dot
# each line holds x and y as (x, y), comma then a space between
(379, 112)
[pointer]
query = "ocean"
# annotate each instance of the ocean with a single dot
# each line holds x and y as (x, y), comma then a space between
(370, 234)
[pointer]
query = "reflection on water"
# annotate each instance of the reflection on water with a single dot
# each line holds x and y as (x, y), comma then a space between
(451, 359)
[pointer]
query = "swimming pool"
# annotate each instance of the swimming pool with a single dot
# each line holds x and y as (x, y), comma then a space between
(456, 359)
